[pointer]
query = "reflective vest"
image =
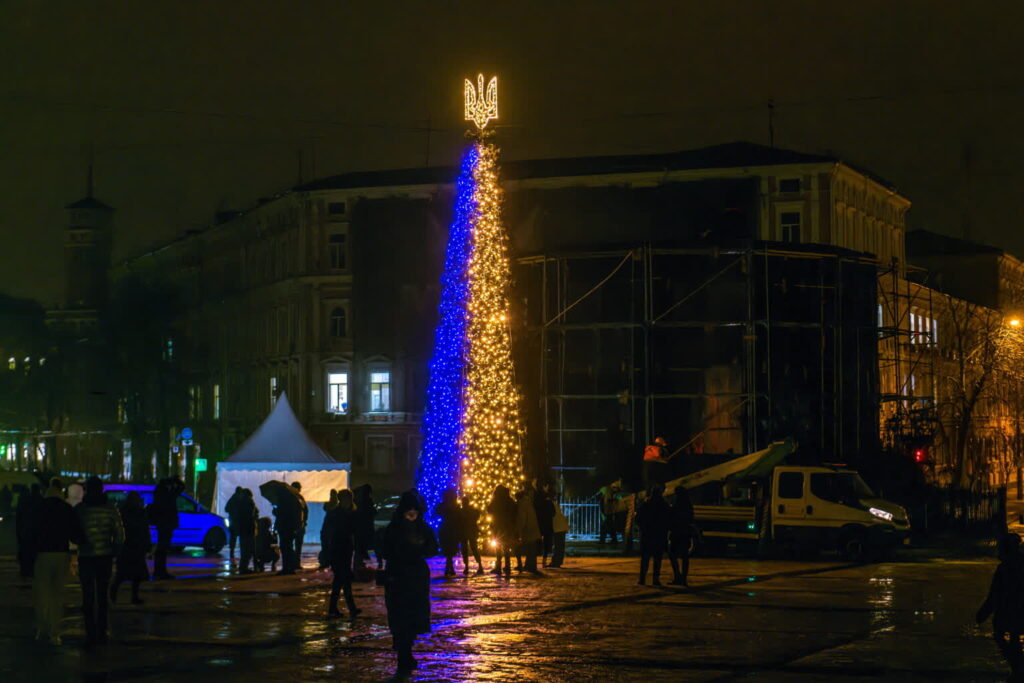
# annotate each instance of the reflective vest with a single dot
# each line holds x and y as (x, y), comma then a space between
(653, 452)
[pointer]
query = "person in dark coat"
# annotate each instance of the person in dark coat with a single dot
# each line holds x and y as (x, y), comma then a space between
(680, 536)
(131, 561)
(407, 544)
(1005, 604)
(57, 529)
(323, 559)
(449, 533)
(233, 510)
(545, 519)
(102, 537)
(502, 510)
(248, 515)
(26, 518)
(470, 529)
(366, 512)
(340, 528)
(267, 549)
(163, 514)
(289, 524)
(654, 518)
(301, 535)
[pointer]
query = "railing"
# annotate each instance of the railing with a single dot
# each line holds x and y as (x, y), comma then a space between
(584, 519)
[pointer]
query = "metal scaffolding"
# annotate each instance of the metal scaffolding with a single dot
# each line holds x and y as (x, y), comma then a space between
(698, 345)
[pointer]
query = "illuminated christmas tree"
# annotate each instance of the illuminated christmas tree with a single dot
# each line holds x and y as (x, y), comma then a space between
(471, 424)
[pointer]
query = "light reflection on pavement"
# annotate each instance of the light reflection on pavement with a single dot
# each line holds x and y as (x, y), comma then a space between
(743, 619)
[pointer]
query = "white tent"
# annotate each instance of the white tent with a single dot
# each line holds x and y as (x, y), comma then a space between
(281, 449)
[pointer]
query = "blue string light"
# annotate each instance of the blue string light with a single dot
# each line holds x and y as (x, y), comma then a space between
(445, 411)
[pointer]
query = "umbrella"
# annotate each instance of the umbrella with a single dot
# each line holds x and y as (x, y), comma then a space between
(281, 495)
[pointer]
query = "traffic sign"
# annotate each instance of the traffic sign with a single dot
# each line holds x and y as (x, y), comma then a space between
(200, 464)
(186, 433)
(186, 442)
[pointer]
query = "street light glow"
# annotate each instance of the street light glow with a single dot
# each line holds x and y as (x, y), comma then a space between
(1015, 322)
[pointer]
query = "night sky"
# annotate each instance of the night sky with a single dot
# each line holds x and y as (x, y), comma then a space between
(190, 108)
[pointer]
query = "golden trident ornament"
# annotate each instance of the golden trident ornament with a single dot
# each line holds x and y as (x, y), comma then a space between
(481, 108)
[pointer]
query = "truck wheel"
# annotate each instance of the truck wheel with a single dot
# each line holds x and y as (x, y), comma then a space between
(214, 540)
(854, 548)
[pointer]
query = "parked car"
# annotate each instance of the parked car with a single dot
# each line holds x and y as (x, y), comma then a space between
(197, 526)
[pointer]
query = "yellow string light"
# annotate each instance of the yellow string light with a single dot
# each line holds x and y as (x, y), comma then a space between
(490, 443)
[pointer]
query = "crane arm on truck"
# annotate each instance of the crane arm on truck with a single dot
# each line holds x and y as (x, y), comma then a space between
(756, 464)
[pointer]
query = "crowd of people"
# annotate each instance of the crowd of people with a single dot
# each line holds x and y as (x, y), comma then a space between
(114, 542)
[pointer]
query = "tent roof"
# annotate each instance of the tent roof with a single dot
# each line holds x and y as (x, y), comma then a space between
(281, 439)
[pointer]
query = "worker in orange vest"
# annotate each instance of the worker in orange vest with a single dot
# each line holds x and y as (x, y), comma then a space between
(656, 460)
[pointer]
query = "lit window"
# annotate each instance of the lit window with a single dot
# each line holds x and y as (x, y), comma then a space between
(380, 391)
(273, 391)
(337, 392)
(336, 250)
(216, 401)
(42, 362)
(122, 411)
(789, 222)
(338, 322)
(12, 364)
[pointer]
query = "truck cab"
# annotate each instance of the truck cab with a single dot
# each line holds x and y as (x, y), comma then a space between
(832, 507)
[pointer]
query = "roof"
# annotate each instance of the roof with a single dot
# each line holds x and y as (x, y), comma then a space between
(729, 155)
(89, 203)
(280, 439)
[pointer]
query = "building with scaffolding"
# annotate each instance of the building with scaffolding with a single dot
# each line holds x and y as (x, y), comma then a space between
(721, 297)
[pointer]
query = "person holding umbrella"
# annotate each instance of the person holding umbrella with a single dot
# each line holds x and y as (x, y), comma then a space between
(288, 511)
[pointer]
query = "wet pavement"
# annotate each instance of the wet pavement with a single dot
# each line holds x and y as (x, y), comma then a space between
(741, 619)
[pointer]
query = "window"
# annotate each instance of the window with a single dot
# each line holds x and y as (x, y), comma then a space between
(336, 209)
(122, 411)
(273, 391)
(791, 485)
(216, 401)
(337, 392)
(169, 349)
(843, 488)
(193, 402)
(789, 185)
(12, 364)
(338, 322)
(336, 247)
(380, 391)
(789, 222)
(183, 504)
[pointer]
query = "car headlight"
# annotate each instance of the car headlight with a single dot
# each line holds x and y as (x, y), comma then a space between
(881, 514)
(227, 523)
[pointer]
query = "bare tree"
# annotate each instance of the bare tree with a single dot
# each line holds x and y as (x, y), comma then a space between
(975, 338)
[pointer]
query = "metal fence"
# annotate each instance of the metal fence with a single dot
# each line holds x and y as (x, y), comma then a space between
(584, 518)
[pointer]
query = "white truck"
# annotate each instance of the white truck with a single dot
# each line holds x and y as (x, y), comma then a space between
(755, 498)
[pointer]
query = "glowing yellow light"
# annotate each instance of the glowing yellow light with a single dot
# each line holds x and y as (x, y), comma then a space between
(1015, 322)
(481, 107)
(493, 544)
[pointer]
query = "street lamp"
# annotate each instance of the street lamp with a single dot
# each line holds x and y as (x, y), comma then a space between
(1014, 322)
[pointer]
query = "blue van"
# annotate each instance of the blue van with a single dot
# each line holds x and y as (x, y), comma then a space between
(197, 526)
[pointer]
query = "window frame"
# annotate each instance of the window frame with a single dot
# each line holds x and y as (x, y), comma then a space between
(384, 386)
(337, 245)
(337, 370)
